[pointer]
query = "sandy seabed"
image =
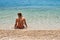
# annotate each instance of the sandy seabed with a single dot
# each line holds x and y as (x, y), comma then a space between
(29, 34)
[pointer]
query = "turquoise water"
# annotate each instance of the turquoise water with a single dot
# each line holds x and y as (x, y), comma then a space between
(37, 18)
(16, 3)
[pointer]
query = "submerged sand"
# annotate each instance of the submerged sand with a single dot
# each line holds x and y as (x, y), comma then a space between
(29, 34)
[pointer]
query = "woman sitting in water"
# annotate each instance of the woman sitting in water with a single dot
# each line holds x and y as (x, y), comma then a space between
(20, 22)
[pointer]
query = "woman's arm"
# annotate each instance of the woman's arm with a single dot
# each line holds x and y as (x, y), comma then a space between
(25, 22)
(15, 23)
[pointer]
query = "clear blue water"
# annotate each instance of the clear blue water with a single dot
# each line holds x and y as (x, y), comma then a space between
(40, 14)
(15, 3)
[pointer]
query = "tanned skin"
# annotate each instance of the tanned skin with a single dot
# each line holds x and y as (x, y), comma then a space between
(20, 22)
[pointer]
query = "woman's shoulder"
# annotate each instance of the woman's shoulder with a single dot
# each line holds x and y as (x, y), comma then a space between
(16, 18)
(23, 17)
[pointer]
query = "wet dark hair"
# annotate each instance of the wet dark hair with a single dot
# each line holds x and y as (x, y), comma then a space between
(19, 14)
